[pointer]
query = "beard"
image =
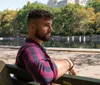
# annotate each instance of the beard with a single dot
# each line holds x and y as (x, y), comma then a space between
(43, 37)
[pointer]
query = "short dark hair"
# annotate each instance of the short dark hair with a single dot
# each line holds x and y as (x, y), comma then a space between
(38, 13)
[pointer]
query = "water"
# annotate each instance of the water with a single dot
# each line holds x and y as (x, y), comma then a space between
(12, 42)
(75, 44)
(65, 42)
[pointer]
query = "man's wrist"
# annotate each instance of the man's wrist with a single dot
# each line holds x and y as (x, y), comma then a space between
(71, 64)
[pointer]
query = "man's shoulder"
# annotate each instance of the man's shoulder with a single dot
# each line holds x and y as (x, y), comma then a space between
(29, 46)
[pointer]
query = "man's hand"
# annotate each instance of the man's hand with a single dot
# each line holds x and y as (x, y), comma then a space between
(72, 71)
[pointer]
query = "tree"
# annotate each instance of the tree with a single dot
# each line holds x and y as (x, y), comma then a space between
(57, 23)
(98, 23)
(91, 20)
(95, 4)
(7, 18)
(69, 20)
(81, 24)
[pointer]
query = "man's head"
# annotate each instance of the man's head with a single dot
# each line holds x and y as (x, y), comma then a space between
(40, 24)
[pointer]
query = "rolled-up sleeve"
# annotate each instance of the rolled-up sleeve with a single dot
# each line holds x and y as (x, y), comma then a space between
(42, 69)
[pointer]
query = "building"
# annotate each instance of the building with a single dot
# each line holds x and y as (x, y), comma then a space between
(59, 3)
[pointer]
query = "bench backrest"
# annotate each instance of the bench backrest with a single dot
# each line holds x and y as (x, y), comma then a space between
(21, 74)
(4, 75)
(65, 80)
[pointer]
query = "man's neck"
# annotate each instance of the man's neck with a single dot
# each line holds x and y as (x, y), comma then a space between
(36, 39)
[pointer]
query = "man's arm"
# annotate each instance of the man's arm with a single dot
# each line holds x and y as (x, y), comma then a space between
(63, 66)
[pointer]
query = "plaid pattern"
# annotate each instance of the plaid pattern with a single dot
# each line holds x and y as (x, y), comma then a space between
(34, 59)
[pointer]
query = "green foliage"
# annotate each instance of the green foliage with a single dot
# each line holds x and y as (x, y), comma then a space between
(98, 31)
(95, 4)
(72, 19)
(97, 22)
(57, 23)
(7, 18)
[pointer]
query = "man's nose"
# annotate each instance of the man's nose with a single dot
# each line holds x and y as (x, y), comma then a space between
(50, 29)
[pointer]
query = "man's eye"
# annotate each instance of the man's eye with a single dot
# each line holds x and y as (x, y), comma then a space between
(46, 25)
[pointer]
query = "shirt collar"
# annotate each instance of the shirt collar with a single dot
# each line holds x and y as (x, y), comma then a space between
(28, 40)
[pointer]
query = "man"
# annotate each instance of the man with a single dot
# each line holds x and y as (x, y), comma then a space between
(33, 57)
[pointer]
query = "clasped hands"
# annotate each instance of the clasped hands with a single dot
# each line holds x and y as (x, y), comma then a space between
(71, 69)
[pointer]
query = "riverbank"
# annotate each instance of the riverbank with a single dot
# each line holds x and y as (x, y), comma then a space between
(87, 61)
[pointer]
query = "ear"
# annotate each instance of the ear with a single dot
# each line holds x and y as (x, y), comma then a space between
(32, 28)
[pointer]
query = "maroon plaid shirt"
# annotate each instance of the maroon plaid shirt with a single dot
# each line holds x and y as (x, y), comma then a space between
(35, 60)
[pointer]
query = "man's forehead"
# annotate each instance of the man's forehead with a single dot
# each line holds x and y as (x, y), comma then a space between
(44, 20)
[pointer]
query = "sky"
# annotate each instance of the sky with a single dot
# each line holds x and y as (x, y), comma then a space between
(16, 4)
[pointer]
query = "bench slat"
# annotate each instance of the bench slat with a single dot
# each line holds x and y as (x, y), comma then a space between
(18, 82)
(77, 80)
(65, 80)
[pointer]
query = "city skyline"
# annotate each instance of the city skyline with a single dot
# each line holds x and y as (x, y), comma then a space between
(16, 4)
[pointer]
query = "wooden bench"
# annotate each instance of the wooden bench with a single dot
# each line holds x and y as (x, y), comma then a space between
(6, 77)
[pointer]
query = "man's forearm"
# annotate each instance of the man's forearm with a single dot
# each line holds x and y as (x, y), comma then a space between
(62, 66)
